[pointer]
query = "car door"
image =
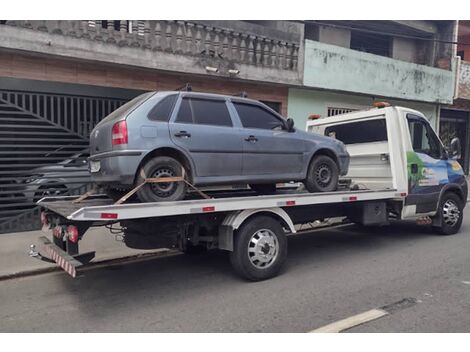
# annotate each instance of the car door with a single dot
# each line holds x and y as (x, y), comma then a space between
(203, 127)
(268, 148)
(427, 166)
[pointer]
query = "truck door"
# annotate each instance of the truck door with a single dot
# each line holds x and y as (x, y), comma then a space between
(427, 166)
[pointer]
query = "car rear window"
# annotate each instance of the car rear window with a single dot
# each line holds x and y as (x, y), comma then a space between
(204, 112)
(162, 110)
(125, 109)
(359, 132)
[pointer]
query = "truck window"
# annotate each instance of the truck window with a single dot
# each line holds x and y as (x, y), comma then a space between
(423, 138)
(359, 132)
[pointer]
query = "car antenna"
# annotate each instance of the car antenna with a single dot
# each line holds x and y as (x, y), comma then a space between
(186, 88)
(241, 94)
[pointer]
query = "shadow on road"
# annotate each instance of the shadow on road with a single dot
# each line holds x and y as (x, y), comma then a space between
(184, 277)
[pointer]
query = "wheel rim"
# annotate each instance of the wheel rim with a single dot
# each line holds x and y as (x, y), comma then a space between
(450, 212)
(163, 189)
(263, 248)
(323, 175)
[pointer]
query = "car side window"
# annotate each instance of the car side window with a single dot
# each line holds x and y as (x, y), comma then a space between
(423, 138)
(253, 116)
(210, 112)
(162, 110)
(204, 112)
(184, 114)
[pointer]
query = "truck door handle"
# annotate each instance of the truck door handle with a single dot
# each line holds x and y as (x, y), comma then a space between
(183, 134)
(414, 168)
(252, 139)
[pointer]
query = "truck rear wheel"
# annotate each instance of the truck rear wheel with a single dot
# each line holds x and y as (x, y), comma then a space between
(260, 249)
(450, 212)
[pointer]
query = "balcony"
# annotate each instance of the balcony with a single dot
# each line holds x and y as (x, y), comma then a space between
(342, 69)
(245, 51)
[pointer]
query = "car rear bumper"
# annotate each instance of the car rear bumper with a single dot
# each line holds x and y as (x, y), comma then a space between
(116, 167)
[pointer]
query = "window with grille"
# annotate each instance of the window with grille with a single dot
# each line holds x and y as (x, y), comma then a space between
(332, 111)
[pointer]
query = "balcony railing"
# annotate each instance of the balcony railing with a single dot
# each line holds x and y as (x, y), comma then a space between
(178, 37)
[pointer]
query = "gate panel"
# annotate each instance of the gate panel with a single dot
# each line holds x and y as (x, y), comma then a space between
(43, 150)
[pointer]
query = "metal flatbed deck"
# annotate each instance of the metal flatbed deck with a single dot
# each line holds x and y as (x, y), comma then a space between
(101, 208)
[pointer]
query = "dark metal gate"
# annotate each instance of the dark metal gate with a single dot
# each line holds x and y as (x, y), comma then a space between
(43, 150)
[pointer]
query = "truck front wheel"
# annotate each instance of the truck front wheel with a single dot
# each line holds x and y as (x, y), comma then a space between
(450, 213)
(260, 248)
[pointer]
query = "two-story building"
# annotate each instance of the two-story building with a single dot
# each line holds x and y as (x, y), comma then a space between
(455, 119)
(350, 64)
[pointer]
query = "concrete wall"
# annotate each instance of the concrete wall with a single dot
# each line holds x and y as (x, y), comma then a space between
(303, 102)
(341, 69)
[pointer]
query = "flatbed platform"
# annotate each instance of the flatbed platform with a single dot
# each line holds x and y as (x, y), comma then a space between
(101, 208)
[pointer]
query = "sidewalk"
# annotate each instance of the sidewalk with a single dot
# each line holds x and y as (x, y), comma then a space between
(14, 248)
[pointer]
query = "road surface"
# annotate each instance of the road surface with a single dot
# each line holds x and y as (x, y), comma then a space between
(329, 276)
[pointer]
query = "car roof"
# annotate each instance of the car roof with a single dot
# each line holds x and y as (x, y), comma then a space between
(214, 96)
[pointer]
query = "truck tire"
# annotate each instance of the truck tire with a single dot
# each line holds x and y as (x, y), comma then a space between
(450, 212)
(260, 248)
(161, 166)
(322, 175)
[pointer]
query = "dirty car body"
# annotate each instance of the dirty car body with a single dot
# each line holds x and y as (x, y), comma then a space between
(219, 139)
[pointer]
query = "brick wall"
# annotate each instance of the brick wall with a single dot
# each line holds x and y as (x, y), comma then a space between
(44, 68)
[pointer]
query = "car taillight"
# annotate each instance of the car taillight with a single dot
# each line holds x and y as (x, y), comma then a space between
(119, 135)
(72, 233)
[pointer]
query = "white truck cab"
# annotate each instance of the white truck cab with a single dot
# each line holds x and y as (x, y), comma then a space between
(395, 147)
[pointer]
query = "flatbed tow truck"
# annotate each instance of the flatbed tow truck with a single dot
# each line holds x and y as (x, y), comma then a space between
(392, 176)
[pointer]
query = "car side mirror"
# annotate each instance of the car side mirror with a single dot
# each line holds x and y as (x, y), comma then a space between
(290, 125)
(455, 149)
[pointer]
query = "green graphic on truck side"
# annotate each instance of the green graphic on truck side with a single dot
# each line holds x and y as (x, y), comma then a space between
(413, 158)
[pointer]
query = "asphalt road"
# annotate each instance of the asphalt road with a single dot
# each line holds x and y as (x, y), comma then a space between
(329, 276)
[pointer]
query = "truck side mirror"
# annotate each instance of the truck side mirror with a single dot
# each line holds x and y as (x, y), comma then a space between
(290, 125)
(455, 149)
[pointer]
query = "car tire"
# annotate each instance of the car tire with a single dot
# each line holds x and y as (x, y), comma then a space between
(258, 236)
(450, 213)
(161, 166)
(322, 175)
(264, 188)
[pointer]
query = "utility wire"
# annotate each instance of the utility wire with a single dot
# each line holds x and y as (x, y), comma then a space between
(386, 33)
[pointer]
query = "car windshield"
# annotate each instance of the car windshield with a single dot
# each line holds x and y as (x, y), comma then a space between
(125, 109)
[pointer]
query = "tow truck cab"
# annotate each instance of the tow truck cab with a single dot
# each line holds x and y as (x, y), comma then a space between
(396, 147)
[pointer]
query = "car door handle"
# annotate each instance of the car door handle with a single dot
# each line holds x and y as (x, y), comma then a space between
(183, 134)
(252, 139)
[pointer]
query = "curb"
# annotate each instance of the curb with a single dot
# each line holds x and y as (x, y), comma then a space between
(135, 258)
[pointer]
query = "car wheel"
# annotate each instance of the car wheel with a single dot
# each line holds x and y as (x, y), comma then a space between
(451, 214)
(161, 166)
(264, 188)
(260, 249)
(323, 174)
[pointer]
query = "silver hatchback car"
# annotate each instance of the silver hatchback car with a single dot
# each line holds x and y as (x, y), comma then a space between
(210, 139)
